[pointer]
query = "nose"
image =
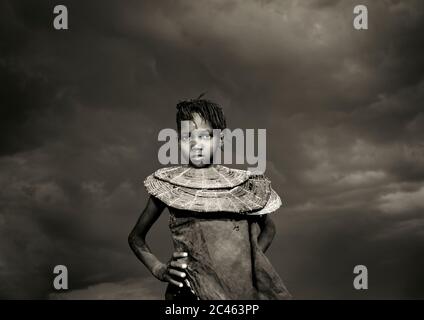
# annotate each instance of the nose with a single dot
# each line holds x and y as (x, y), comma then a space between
(195, 144)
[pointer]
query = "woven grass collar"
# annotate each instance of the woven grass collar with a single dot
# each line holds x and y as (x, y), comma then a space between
(213, 189)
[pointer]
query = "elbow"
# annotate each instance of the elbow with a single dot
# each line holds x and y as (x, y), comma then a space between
(132, 240)
(271, 228)
(135, 240)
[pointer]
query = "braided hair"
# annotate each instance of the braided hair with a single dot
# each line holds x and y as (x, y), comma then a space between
(208, 110)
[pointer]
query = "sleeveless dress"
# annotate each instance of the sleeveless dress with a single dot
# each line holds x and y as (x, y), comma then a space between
(214, 217)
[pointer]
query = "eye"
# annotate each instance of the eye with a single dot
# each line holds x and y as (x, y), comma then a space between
(205, 136)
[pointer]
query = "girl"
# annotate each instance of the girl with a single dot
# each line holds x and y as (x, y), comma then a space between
(218, 218)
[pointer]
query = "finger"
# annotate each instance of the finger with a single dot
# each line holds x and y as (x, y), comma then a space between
(179, 254)
(178, 264)
(177, 273)
(170, 280)
(187, 283)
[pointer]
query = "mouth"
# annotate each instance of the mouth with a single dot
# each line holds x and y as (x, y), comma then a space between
(196, 155)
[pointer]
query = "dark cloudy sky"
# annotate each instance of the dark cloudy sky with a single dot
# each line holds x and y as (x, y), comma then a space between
(81, 110)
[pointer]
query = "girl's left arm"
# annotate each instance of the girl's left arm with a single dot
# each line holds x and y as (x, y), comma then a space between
(267, 232)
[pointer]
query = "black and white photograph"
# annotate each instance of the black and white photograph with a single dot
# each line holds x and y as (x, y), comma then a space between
(182, 150)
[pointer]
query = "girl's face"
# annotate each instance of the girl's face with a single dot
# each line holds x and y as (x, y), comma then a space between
(197, 142)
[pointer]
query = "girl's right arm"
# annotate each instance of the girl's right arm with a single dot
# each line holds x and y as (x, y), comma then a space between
(137, 242)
